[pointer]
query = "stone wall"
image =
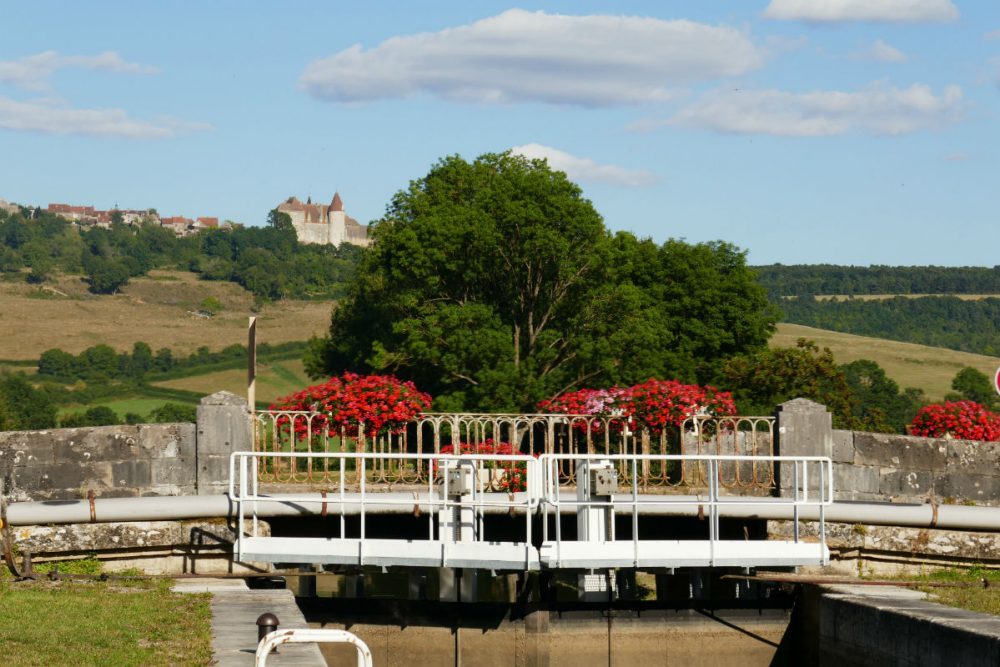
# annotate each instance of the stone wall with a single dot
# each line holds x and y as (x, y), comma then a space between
(878, 466)
(125, 461)
(886, 467)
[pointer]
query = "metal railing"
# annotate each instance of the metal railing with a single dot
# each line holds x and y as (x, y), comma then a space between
(520, 473)
(311, 636)
(279, 431)
(811, 485)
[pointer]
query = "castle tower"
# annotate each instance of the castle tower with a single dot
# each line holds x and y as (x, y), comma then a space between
(337, 220)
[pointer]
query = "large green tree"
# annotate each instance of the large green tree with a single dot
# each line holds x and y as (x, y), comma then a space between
(494, 283)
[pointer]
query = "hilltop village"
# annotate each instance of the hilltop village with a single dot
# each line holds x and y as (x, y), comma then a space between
(313, 223)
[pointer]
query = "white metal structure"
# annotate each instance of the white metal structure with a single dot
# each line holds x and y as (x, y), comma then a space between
(458, 498)
(812, 483)
(311, 636)
(456, 534)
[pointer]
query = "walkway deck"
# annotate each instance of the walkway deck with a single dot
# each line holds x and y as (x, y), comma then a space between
(235, 609)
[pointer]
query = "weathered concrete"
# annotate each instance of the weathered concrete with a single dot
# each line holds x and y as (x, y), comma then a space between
(891, 550)
(900, 468)
(125, 460)
(111, 461)
(802, 428)
(155, 547)
(235, 610)
(223, 428)
(891, 626)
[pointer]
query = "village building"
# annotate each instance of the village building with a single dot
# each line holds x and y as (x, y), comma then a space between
(326, 224)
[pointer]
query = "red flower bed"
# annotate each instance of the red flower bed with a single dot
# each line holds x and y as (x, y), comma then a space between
(962, 420)
(654, 404)
(381, 402)
(657, 404)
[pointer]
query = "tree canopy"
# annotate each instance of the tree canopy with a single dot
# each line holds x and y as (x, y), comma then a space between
(494, 284)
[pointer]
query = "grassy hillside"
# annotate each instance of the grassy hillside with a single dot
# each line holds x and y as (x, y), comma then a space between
(886, 297)
(158, 309)
(273, 380)
(929, 368)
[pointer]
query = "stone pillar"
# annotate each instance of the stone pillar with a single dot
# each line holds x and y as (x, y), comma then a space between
(802, 428)
(223, 428)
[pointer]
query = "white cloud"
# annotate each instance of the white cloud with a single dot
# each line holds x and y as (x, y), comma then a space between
(893, 11)
(585, 169)
(33, 72)
(37, 117)
(878, 109)
(957, 157)
(517, 56)
(884, 53)
(992, 35)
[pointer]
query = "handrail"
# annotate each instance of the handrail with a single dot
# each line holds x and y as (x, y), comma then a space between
(311, 636)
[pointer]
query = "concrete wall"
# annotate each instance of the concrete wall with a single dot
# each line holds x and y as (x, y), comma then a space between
(876, 626)
(124, 461)
(886, 467)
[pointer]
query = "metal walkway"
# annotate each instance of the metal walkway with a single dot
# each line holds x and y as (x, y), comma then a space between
(461, 491)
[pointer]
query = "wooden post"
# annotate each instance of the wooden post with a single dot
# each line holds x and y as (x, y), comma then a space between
(252, 364)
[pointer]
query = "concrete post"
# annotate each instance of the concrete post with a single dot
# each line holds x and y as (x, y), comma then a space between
(802, 428)
(223, 428)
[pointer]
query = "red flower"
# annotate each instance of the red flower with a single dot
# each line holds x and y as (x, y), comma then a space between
(381, 403)
(963, 420)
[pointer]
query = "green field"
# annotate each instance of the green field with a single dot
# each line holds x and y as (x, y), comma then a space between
(276, 379)
(929, 368)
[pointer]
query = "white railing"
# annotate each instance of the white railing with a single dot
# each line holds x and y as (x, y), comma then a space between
(811, 485)
(311, 636)
(459, 492)
(244, 488)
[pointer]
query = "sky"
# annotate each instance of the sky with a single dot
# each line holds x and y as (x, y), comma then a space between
(802, 131)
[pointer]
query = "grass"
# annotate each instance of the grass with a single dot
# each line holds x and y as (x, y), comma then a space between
(102, 623)
(975, 597)
(929, 368)
(155, 309)
(276, 379)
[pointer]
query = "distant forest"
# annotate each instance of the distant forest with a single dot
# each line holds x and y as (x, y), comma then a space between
(940, 321)
(802, 279)
(268, 261)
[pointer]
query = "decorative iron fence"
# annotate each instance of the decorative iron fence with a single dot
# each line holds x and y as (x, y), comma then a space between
(278, 431)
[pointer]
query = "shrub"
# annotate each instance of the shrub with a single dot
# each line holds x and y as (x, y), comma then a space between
(379, 403)
(962, 420)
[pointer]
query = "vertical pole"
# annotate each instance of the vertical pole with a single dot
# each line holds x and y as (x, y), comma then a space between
(252, 364)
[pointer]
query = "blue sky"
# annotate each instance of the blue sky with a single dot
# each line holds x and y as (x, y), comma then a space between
(804, 131)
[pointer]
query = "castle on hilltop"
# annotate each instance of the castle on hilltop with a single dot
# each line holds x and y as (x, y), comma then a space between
(318, 223)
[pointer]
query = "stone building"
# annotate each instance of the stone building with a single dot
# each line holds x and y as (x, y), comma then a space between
(319, 223)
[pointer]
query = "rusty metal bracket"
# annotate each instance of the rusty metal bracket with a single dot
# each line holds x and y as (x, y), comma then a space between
(323, 511)
(93, 507)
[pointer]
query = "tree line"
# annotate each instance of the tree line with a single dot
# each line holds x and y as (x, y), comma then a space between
(801, 279)
(268, 261)
(940, 321)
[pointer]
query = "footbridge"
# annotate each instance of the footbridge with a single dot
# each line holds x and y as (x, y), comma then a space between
(527, 493)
